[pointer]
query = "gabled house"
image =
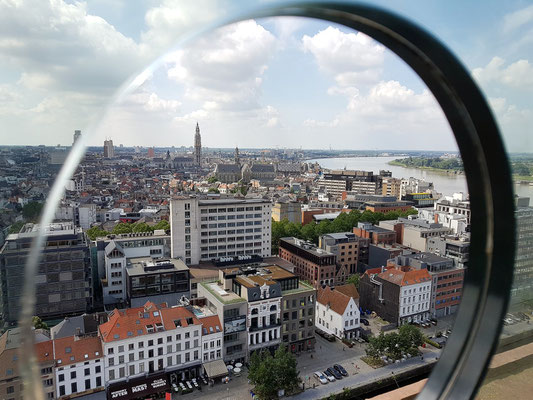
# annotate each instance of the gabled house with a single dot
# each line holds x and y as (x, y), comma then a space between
(337, 311)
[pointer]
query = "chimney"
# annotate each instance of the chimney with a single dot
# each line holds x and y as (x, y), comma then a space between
(78, 331)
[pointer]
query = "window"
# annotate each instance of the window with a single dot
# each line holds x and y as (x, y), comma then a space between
(74, 387)
(87, 384)
(87, 371)
(10, 389)
(73, 375)
(61, 377)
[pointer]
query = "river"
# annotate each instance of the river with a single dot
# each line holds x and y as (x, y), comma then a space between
(443, 182)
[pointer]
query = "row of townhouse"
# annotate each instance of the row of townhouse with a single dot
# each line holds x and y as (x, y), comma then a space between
(138, 352)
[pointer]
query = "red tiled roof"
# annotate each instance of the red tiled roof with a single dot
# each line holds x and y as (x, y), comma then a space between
(210, 324)
(44, 351)
(134, 322)
(337, 301)
(402, 278)
(71, 350)
(349, 290)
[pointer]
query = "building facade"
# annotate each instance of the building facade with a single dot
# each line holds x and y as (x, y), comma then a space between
(345, 246)
(209, 229)
(63, 280)
(337, 312)
(311, 264)
(289, 210)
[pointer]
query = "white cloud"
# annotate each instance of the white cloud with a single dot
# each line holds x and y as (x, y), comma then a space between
(223, 70)
(351, 58)
(518, 19)
(517, 75)
(168, 22)
(515, 124)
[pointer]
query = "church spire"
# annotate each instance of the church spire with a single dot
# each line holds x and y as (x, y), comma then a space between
(237, 158)
(197, 146)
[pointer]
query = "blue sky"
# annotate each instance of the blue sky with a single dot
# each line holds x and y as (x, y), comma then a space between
(283, 82)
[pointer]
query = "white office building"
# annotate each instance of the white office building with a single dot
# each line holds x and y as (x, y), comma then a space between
(205, 229)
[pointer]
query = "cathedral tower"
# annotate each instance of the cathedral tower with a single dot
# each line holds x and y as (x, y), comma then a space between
(197, 146)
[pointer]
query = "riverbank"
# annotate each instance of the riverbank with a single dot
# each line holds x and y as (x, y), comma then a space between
(447, 171)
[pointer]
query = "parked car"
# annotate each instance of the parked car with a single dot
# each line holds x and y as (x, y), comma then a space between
(340, 369)
(321, 378)
(329, 375)
(364, 321)
(334, 373)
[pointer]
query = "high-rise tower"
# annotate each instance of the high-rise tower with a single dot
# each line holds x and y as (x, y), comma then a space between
(197, 146)
(109, 150)
(77, 135)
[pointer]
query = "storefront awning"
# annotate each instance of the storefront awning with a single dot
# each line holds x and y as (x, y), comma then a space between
(215, 369)
(137, 388)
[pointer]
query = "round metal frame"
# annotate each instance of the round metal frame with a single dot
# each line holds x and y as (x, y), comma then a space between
(487, 286)
(463, 363)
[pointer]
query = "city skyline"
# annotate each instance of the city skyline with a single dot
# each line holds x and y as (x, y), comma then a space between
(282, 82)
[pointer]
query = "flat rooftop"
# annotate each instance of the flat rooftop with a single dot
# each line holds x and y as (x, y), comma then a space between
(147, 265)
(224, 296)
(307, 246)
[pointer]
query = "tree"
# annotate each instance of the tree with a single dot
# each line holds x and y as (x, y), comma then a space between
(122, 227)
(354, 279)
(163, 224)
(212, 179)
(396, 344)
(32, 210)
(285, 369)
(213, 190)
(270, 374)
(141, 227)
(16, 227)
(38, 323)
(95, 232)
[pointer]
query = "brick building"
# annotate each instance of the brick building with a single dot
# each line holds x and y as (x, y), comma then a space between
(312, 264)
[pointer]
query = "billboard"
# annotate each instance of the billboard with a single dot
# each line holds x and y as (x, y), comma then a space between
(235, 325)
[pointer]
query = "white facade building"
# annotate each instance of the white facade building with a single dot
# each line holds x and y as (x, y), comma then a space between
(79, 365)
(112, 263)
(415, 302)
(337, 313)
(151, 339)
(212, 338)
(208, 229)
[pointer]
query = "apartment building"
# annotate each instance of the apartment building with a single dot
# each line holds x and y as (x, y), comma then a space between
(143, 345)
(376, 234)
(263, 316)
(63, 280)
(345, 246)
(399, 295)
(232, 311)
(113, 252)
(456, 204)
(311, 264)
(456, 248)
(212, 338)
(11, 383)
(205, 229)
(391, 187)
(79, 365)
(159, 280)
(446, 280)
(414, 232)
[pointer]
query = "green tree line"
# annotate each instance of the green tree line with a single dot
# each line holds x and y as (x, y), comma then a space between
(343, 223)
(437, 163)
(124, 227)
